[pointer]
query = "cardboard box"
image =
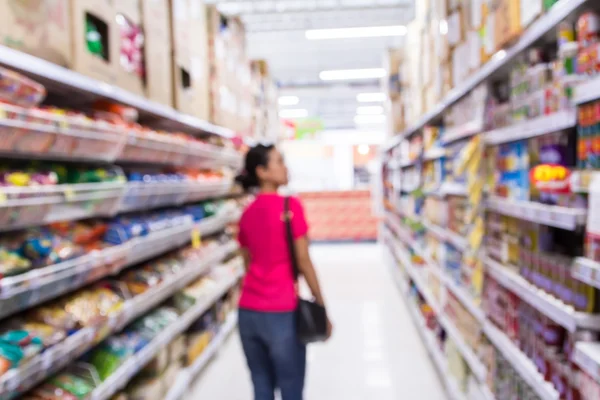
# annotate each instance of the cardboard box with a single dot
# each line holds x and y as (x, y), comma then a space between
(392, 60)
(199, 53)
(158, 51)
(128, 12)
(182, 59)
(507, 22)
(41, 28)
(181, 26)
(102, 14)
(456, 28)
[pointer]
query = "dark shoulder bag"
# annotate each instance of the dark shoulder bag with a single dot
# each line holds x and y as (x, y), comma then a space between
(311, 318)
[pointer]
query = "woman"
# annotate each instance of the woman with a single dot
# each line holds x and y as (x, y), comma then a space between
(266, 318)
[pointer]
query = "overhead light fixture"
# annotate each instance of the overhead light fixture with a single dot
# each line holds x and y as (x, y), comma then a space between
(288, 100)
(369, 119)
(293, 113)
(347, 74)
(371, 97)
(369, 110)
(362, 32)
(363, 149)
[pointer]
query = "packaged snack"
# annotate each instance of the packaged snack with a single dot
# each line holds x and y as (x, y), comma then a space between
(75, 385)
(53, 315)
(107, 357)
(16, 347)
(11, 263)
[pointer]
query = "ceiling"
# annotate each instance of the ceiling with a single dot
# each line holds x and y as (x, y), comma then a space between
(276, 32)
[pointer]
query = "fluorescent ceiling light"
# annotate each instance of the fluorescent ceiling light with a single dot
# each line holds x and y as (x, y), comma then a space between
(363, 149)
(346, 74)
(289, 100)
(370, 97)
(369, 110)
(345, 33)
(369, 119)
(294, 113)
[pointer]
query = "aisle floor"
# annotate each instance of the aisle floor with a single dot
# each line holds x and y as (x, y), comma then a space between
(375, 353)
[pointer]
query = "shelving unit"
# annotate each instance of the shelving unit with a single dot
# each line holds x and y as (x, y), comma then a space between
(156, 178)
(186, 377)
(545, 24)
(133, 365)
(539, 126)
(59, 356)
(486, 169)
(550, 306)
(67, 81)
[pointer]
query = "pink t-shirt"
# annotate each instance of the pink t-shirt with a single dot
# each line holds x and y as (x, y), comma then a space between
(269, 283)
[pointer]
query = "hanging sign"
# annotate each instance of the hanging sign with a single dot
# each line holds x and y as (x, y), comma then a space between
(551, 178)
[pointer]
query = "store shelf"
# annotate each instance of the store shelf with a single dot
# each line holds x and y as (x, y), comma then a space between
(436, 230)
(534, 127)
(119, 379)
(408, 163)
(154, 148)
(434, 352)
(417, 278)
(560, 217)
(587, 91)
(66, 81)
(548, 305)
(453, 189)
(537, 30)
(144, 196)
(468, 354)
(587, 271)
(39, 205)
(57, 357)
(465, 298)
(587, 357)
(434, 154)
(462, 132)
(185, 378)
(23, 291)
(521, 363)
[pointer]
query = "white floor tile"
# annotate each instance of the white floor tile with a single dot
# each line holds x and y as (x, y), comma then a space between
(375, 353)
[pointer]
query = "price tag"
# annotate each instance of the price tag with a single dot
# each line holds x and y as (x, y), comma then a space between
(69, 193)
(196, 238)
(3, 197)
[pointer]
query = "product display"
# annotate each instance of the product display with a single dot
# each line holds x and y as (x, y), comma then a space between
(509, 209)
(111, 204)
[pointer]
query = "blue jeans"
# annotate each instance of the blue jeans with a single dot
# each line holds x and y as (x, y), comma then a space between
(275, 356)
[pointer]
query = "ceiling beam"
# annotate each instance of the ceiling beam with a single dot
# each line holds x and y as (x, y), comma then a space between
(343, 18)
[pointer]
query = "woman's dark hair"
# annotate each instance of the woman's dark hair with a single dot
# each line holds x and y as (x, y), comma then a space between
(257, 156)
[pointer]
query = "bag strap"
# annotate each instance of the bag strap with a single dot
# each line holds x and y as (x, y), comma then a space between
(287, 217)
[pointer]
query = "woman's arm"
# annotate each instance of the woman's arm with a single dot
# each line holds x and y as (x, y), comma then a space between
(246, 257)
(307, 268)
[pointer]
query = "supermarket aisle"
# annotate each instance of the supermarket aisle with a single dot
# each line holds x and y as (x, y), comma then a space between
(376, 352)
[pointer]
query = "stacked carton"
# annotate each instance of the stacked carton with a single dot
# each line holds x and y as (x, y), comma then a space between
(57, 31)
(392, 86)
(447, 42)
(230, 95)
(265, 121)
(190, 72)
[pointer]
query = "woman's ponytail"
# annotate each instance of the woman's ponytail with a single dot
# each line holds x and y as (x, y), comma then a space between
(257, 156)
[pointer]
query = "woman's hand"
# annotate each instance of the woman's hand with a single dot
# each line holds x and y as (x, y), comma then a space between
(329, 329)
